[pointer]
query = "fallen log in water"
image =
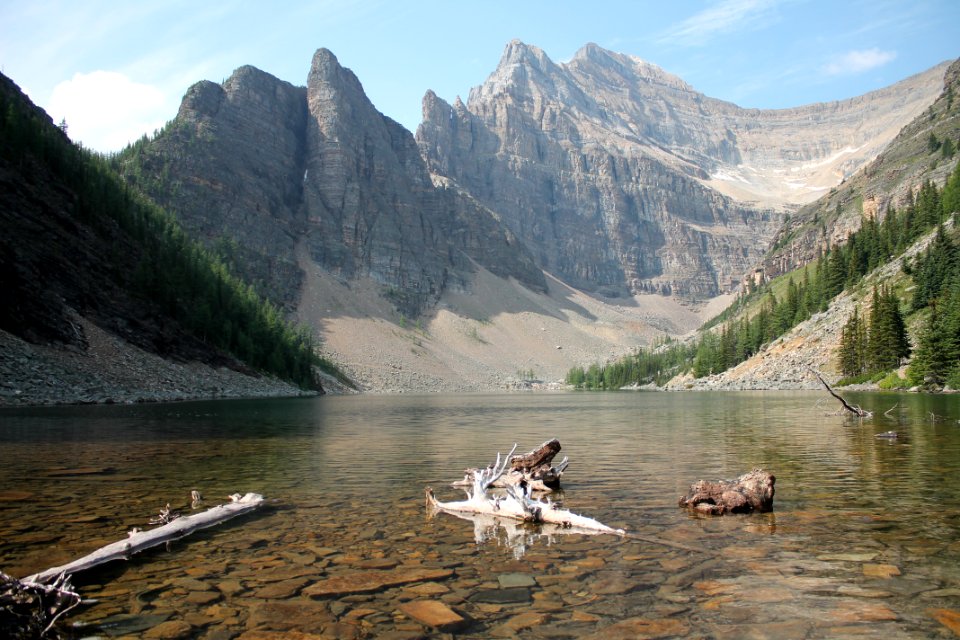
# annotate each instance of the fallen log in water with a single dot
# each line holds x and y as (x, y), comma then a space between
(30, 607)
(534, 469)
(750, 492)
(516, 504)
(140, 540)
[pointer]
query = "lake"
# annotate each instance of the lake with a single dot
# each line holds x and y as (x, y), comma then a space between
(864, 539)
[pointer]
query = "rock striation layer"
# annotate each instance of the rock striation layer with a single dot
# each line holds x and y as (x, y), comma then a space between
(623, 179)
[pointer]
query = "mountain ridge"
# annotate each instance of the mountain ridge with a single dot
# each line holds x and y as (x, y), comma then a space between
(513, 237)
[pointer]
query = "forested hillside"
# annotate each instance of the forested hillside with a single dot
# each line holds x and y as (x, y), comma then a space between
(78, 240)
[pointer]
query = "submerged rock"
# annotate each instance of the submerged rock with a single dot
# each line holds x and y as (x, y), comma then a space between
(433, 613)
(369, 581)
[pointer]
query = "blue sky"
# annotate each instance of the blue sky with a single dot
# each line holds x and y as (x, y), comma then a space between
(116, 70)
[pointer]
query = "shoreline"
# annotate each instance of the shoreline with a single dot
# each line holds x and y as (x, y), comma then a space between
(112, 371)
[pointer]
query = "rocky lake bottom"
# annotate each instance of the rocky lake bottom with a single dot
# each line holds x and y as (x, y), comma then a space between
(862, 541)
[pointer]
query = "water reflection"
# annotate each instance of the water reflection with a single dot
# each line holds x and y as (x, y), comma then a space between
(512, 534)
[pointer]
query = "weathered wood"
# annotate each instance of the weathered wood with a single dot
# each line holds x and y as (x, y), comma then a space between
(517, 504)
(141, 540)
(542, 455)
(536, 467)
(857, 411)
(533, 470)
(30, 609)
(752, 491)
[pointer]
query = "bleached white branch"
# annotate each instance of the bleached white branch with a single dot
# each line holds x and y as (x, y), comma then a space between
(140, 540)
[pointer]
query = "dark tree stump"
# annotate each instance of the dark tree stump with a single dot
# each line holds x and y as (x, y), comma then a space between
(537, 465)
(750, 492)
(542, 455)
(535, 468)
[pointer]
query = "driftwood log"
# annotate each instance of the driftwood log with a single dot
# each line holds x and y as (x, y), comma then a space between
(30, 607)
(516, 535)
(30, 610)
(534, 470)
(750, 492)
(137, 541)
(517, 504)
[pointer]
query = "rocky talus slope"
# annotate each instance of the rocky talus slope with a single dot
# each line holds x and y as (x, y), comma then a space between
(786, 363)
(110, 370)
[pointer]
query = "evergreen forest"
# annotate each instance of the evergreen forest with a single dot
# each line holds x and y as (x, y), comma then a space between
(173, 275)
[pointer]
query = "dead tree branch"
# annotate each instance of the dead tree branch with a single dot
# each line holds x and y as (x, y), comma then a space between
(534, 469)
(31, 609)
(516, 505)
(140, 540)
(857, 411)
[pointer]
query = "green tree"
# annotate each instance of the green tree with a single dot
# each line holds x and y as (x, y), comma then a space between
(947, 149)
(934, 268)
(853, 346)
(887, 339)
(951, 192)
(937, 360)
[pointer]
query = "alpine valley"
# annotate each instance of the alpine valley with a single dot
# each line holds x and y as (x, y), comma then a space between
(567, 213)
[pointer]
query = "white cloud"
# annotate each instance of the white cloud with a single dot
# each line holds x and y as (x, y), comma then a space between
(727, 16)
(854, 62)
(105, 110)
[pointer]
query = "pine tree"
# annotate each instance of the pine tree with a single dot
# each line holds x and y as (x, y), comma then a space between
(836, 273)
(950, 200)
(853, 346)
(937, 359)
(887, 338)
(933, 269)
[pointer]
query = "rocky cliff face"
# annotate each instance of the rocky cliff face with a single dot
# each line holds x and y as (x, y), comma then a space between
(257, 166)
(605, 171)
(372, 207)
(230, 166)
(891, 180)
(623, 179)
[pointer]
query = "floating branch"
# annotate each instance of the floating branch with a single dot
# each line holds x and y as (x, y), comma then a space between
(535, 469)
(516, 535)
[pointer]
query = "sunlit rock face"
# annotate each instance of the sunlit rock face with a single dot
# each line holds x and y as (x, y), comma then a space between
(266, 171)
(622, 179)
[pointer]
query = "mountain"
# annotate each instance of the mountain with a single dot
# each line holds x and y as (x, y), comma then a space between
(914, 156)
(622, 179)
(267, 173)
(882, 247)
(102, 291)
(536, 227)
